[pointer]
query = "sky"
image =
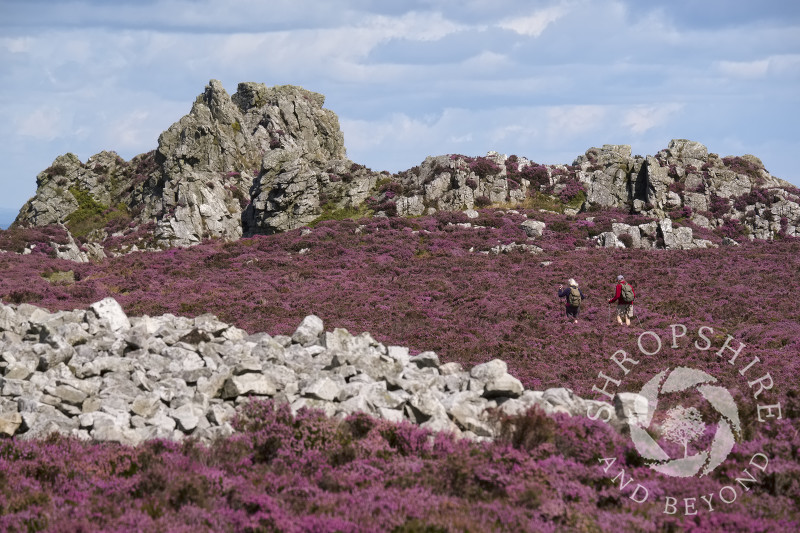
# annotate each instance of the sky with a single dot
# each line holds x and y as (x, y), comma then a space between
(546, 80)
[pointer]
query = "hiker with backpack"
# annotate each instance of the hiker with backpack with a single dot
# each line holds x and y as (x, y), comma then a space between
(624, 297)
(574, 297)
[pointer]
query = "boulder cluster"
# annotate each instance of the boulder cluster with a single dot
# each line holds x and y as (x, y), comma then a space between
(99, 374)
(655, 234)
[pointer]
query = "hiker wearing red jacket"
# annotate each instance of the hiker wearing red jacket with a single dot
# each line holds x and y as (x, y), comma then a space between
(624, 296)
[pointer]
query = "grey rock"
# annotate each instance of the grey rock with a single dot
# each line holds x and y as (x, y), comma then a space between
(452, 368)
(9, 320)
(321, 389)
(504, 386)
(426, 360)
(399, 354)
(20, 370)
(632, 231)
(249, 384)
(564, 400)
(309, 330)
(110, 433)
(188, 417)
(146, 405)
(609, 239)
(686, 149)
(533, 228)
(329, 408)
(221, 414)
(425, 405)
(490, 371)
(631, 408)
(10, 423)
(108, 309)
(69, 394)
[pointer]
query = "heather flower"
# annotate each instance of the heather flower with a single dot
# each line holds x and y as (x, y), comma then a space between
(415, 282)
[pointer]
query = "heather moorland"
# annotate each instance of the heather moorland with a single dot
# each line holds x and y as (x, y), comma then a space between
(434, 283)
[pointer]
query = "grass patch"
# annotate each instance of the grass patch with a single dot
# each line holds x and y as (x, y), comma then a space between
(92, 215)
(331, 211)
(577, 201)
(57, 277)
(539, 200)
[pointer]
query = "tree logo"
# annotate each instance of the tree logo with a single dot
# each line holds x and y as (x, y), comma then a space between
(684, 426)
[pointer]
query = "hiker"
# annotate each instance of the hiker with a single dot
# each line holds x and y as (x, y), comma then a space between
(574, 297)
(624, 297)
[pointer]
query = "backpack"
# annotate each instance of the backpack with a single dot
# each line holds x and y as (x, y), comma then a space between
(574, 297)
(626, 295)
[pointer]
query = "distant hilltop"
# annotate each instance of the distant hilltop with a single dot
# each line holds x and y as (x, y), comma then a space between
(271, 159)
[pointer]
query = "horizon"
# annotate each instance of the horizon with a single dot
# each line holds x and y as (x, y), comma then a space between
(542, 80)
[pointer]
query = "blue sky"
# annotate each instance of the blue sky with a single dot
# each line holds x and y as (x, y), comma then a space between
(544, 80)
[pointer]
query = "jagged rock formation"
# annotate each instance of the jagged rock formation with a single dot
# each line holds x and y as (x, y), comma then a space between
(269, 159)
(98, 374)
(254, 162)
(686, 178)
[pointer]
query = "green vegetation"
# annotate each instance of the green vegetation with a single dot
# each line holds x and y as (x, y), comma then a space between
(87, 206)
(92, 215)
(577, 201)
(58, 277)
(330, 211)
(538, 200)
(381, 182)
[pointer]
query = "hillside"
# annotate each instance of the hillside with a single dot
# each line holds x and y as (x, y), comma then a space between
(439, 283)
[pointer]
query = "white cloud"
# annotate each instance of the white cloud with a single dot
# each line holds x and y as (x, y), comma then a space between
(18, 45)
(488, 61)
(744, 69)
(133, 130)
(460, 139)
(569, 121)
(643, 118)
(788, 64)
(535, 24)
(417, 26)
(45, 124)
(776, 65)
(336, 53)
(365, 134)
(503, 134)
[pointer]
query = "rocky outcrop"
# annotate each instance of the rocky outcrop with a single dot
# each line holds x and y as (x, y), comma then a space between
(98, 374)
(686, 181)
(269, 159)
(265, 159)
(656, 234)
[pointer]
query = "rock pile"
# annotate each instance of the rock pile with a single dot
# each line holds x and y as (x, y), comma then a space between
(98, 374)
